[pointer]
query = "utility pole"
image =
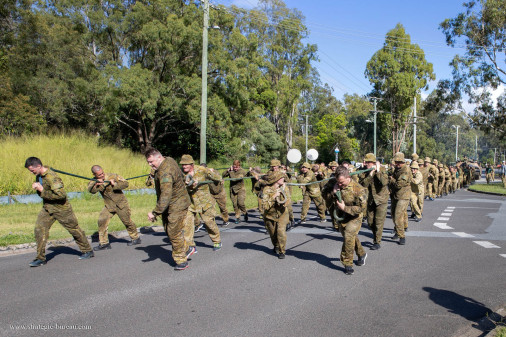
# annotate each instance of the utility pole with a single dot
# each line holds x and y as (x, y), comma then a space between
(476, 151)
(457, 143)
(203, 111)
(306, 135)
(495, 154)
(375, 111)
(414, 127)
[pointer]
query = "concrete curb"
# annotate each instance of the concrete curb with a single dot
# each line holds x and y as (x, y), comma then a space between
(491, 193)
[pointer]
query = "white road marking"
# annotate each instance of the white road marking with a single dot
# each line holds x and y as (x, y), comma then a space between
(448, 210)
(441, 218)
(486, 244)
(442, 225)
(503, 255)
(463, 235)
(446, 214)
(450, 207)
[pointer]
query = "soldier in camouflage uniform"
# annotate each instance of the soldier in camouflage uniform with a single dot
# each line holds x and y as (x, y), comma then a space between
(275, 199)
(237, 190)
(55, 206)
(172, 202)
(310, 193)
(332, 168)
(442, 180)
(435, 185)
(488, 174)
(400, 182)
(448, 180)
(430, 179)
(417, 191)
(455, 179)
(349, 214)
(202, 203)
(217, 190)
(376, 183)
(115, 203)
(425, 175)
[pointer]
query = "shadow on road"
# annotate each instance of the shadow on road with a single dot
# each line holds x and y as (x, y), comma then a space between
(466, 307)
(61, 250)
(156, 252)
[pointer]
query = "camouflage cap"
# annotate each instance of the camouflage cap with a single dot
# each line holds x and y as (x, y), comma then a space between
(414, 165)
(306, 165)
(370, 157)
(186, 159)
(399, 156)
(434, 161)
(427, 159)
(420, 161)
(275, 162)
(274, 177)
(333, 163)
(440, 165)
(414, 156)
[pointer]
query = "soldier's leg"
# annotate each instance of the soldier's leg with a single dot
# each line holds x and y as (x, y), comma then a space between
(371, 210)
(221, 200)
(69, 221)
(233, 198)
(103, 226)
(414, 205)
(401, 217)
(421, 202)
(290, 211)
(435, 188)
(41, 231)
(306, 200)
(241, 199)
(430, 192)
(350, 244)
(270, 225)
(175, 230)
(320, 206)
(379, 220)
(210, 224)
(189, 228)
(126, 217)
(281, 232)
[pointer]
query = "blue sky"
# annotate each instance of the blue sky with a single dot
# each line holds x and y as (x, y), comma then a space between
(349, 32)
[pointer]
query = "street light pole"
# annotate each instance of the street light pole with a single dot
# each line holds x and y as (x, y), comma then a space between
(414, 127)
(457, 143)
(203, 111)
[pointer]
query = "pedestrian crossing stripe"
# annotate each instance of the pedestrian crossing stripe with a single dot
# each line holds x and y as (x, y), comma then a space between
(446, 214)
(448, 210)
(442, 225)
(503, 255)
(486, 244)
(442, 219)
(450, 207)
(463, 235)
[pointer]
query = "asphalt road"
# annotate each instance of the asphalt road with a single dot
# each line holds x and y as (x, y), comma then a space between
(450, 273)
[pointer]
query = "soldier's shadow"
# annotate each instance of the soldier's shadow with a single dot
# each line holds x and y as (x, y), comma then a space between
(254, 246)
(157, 252)
(57, 250)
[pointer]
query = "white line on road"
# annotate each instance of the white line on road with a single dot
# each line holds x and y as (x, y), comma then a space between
(448, 210)
(446, 214)
(442, 219)
(442, 225)
(486, 244)
(503, 255)
(450, 207)
(463, 235)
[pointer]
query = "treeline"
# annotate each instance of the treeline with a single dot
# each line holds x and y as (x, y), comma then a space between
(130, 72)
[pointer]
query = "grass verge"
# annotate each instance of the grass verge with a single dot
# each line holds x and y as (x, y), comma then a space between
(489, 188)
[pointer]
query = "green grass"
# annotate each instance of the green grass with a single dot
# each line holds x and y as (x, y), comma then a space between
(74, 153)
(17, 220)
(490, 188)
(500, 332)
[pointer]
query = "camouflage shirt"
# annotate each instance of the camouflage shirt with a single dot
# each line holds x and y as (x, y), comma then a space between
(113, 196)
(417, 186)
(354, 197)
(235, 185)
(200, 195)
(272, 209)
(171, 194)
(400, 182)
(53, 195)
(377, 186)
(312, 190)
(425, 174)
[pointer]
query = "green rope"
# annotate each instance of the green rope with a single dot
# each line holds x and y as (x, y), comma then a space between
(94, 179)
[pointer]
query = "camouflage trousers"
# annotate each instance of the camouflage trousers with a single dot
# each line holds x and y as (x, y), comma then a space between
(351, 243)
(376, 215)
(441, 185)
(68, 220)
(503, 178)
(416, 207)
(306, 202)
(277, 232)
(429, 191)
(399, 211)
(238, 200)
(221, 200)
(489, 178)
(174, 227)
(209, 222)
(435, 188)
(448, 184)
(105, 217)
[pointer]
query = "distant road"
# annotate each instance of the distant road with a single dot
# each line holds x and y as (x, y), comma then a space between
(451, 272)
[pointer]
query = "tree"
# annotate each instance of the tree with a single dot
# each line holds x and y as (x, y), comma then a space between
(398, 71)
(482, 29)
(331, 132)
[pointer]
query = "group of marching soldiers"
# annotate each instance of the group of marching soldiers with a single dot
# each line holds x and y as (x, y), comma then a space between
(187, 191)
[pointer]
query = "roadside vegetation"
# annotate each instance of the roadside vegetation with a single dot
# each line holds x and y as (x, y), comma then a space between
(489, 188)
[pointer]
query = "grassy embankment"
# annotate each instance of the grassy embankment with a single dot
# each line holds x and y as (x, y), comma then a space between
(489, 188)
(74, 154)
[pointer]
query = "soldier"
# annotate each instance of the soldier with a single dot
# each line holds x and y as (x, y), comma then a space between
(349, 212)
(256, 188)
(376, 182)
(115, 203)
(237, 190)
(172, 202)
(448, 180)
(430, 179)
(455, 179)
(275, 199)
(435, 185)
(310, 193)
(55, 206)
(217, 190)
(442, 180)
(425, 175)
(488, 173)
(503, 173)
(400, 181)
(332, 168)
(202, 203)
(417, 192)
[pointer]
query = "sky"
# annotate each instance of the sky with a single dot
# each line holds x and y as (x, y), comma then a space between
(349, 32)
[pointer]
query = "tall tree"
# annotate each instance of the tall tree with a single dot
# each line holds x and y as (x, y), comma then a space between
(398, 72)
